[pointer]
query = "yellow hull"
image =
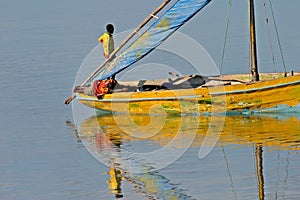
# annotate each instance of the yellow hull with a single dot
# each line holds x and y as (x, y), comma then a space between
(269, 95)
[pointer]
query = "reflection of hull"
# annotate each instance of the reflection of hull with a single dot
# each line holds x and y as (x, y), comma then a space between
(258, 129)
(269, 95)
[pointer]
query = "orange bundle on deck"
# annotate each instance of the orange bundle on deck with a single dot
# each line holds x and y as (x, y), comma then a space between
(102, 87)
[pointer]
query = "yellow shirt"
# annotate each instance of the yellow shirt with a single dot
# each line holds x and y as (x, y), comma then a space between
(108, 44)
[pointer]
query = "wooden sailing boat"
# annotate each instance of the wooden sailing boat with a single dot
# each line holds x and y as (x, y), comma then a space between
(187, 94)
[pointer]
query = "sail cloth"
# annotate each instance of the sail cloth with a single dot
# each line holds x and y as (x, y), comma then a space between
(160, 30)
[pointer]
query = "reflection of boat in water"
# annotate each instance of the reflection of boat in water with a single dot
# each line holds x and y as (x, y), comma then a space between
(107, 138)
(266, 130)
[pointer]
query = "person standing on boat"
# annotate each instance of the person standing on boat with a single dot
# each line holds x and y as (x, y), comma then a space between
(102, 87)
(107, 40)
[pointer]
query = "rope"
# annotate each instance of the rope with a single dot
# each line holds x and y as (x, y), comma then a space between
(269, 36)
(277, 34)
(285, 186)
(225, 37)
(229, 173)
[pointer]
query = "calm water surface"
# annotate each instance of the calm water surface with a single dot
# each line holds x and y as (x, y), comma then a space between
(42, 157)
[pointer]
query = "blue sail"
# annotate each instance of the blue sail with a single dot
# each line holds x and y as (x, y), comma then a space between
(168, 23)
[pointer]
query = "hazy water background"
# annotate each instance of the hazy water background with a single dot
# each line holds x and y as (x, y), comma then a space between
(42, 46)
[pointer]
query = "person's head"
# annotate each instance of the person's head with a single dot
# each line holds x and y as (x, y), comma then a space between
(110, 28)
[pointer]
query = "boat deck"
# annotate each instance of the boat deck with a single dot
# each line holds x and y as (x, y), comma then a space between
(184, 82)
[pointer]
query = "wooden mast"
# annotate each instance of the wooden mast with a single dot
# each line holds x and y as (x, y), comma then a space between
(254, 69)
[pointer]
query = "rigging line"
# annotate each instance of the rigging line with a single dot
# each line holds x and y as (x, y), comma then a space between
(278, 176)
(225, 37)
(285, 186)
(269, 35)
(277, 34)
(228, 170)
